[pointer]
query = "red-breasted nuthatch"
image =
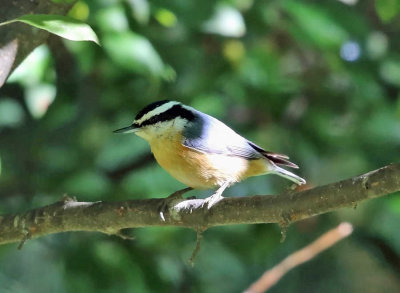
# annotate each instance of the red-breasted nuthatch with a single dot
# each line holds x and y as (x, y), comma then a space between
(201, 151)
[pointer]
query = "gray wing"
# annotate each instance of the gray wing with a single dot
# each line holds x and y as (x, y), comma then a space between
(209, 135)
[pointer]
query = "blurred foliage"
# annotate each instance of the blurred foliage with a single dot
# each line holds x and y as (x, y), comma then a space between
(316, 80)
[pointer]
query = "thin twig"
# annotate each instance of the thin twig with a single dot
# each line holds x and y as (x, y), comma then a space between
(27, 236)
(272, 276)
(197, 248)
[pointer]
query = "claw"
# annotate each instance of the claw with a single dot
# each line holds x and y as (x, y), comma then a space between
(162, 216)
(163, 207)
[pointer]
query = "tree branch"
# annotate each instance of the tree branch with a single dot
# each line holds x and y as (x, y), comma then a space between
(111, 217)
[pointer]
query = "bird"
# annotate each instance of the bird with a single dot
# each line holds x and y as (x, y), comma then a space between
(201, 151)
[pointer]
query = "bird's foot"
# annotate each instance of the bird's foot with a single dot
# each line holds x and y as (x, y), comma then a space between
(166, 202)
(212, 200)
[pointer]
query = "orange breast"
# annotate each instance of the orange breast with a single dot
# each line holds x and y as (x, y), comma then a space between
(200, 170)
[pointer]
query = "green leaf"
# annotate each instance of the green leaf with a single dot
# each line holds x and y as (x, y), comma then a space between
(60, 25)
(312, 24)
(134, 53)
(387, 9)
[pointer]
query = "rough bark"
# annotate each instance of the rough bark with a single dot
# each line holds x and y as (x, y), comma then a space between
(111, 217)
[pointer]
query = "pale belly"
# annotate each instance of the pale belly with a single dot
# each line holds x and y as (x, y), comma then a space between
(202, 171)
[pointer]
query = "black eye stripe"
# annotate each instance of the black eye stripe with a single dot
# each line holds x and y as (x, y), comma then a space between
(149, 108)
(172, 113)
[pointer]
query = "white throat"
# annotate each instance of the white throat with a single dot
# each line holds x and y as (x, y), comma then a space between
(172, 129)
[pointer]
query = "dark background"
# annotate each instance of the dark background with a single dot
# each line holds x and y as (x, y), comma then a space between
(317, 80)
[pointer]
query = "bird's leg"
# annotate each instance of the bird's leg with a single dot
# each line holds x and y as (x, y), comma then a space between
(166, 201)
(217, 196)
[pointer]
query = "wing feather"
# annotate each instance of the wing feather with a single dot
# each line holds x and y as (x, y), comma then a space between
(209, 135)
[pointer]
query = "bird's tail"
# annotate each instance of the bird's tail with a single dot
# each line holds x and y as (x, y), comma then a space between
(288, 175)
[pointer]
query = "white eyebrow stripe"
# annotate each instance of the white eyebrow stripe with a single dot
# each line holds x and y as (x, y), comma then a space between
(156, 111)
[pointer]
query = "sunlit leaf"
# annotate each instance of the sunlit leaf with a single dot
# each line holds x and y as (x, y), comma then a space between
(60, 25)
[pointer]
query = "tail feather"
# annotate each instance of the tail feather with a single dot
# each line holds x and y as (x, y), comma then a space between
(288, 175)
(280, 161)
(274, 157)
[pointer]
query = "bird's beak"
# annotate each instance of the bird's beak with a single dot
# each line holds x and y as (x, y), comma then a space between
(129, 129)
